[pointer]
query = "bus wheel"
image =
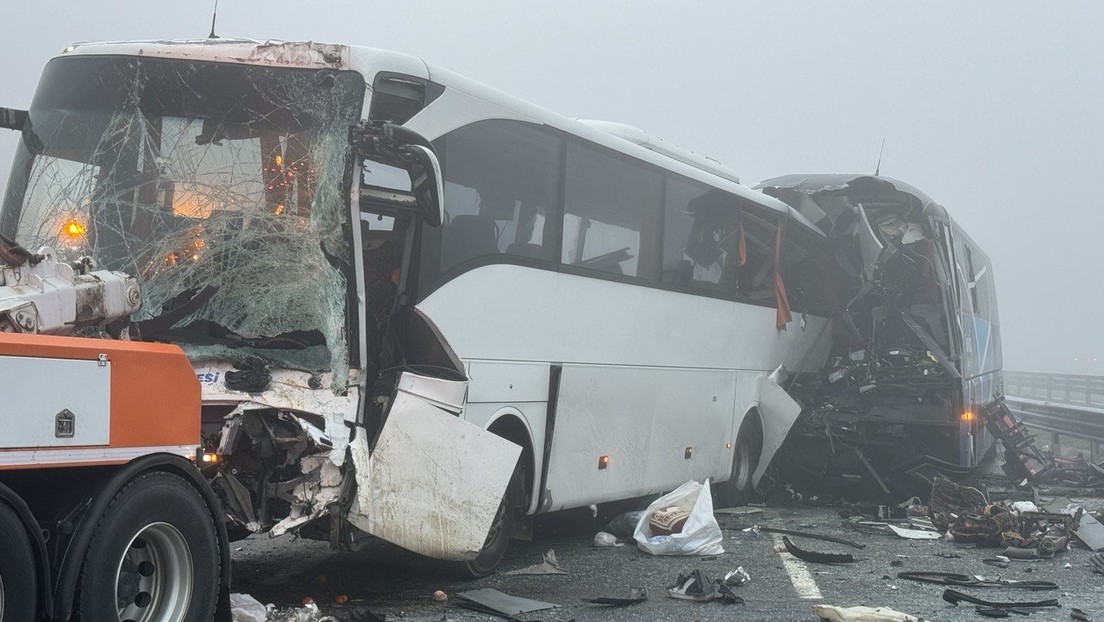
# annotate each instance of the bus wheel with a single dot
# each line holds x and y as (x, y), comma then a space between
(498, 538)
(153, 557)
(749, 444)
(17, 570)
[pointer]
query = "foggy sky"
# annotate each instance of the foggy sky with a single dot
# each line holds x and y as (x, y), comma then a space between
(994, 109)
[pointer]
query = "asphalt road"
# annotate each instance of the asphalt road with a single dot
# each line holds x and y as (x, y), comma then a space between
(398, 585)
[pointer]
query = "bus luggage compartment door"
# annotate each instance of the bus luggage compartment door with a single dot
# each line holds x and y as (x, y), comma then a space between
(433, 482)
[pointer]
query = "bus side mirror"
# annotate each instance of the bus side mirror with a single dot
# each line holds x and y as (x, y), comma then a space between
(13, 119)
(395, 145)
(426, 182)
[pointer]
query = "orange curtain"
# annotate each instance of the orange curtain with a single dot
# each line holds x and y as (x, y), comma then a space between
(783, 316)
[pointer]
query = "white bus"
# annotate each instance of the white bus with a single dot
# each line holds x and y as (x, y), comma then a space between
(612, 306)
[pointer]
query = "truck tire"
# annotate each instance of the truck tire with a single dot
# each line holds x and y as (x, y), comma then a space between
(154, 555)
(18, 595)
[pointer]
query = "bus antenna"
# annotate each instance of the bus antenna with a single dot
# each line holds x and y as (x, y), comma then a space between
(877, 169)
(214, 16)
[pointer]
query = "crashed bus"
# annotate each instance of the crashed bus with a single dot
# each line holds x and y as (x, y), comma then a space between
(418, 309)
(912, 387)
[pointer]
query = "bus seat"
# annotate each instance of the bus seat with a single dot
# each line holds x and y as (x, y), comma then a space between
(525, 249)
(466, 237)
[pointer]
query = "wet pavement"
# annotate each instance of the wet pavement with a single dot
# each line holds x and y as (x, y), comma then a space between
(398, 585)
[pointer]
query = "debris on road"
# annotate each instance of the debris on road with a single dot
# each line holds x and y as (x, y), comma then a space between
(962, 580)
(914, 534)
(624, 525)
(440, 596)
(817, 557)
(954, 597)
(549, 566)
(811, 536)
(245, 608)
(831, 613)
(492, 601)
(696, 586)
(636, 596)
(697, 534)
(605, 540)
(1077, 614)
(736, 578)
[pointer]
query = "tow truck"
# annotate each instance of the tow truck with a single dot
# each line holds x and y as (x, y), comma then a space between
(194, 345)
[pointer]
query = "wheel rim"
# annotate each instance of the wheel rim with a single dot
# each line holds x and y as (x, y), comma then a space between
(154, 579)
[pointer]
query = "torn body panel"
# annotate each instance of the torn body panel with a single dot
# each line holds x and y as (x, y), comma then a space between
(904, 360)
(433, 482)
(779, 411)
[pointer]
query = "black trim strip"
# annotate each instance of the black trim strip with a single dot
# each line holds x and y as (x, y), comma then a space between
(554, 374)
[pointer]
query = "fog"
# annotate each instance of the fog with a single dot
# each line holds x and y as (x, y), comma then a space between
(994, 109)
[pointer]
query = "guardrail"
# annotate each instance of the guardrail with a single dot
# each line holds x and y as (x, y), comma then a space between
(1059, 388)
(1062, 404)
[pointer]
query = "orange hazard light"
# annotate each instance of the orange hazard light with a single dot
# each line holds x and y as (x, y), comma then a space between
(74, 229)
(968, 416)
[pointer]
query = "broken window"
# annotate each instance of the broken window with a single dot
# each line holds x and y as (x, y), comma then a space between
(189, 175)
(700, 236)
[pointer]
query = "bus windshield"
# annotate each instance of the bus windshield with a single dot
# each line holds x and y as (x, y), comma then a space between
(193, 174)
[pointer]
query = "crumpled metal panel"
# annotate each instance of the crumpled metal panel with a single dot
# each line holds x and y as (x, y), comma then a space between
(433, 483)
(779, 411)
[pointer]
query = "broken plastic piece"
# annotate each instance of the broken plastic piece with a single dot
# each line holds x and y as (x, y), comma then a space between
(636, 595)
(245, 608)
(698, 587)
(914, 534)
(954, 597)
(962, 580)
(605, 540)
(492, 601)
(737, 577)
(549, 566)
(862, 614)
(817, 557)
(811, 536)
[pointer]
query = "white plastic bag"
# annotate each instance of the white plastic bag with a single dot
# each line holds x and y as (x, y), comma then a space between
(701, 535)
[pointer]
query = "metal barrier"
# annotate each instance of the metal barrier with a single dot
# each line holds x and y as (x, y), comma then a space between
(1061, 404)
(1058, 388)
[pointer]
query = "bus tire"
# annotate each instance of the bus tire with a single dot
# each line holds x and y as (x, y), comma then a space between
(499, 536)
(154, 555)
(18, 594)
(738, 489)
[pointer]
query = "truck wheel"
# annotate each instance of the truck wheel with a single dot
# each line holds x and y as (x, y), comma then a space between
(154, 556)
(738, 490)
(18, 595)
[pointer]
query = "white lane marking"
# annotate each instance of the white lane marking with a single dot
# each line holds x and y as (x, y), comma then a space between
(803, 582)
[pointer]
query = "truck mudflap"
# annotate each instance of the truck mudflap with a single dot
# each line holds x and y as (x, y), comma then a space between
(433, 482)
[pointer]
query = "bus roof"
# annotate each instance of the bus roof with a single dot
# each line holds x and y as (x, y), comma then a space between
(370, 61)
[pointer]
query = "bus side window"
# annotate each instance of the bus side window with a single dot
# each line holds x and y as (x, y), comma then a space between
(502, 185)
(610, 213)
(756, 275)
(700, 236)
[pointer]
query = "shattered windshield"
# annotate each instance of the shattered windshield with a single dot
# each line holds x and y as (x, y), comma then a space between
(193, 174)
